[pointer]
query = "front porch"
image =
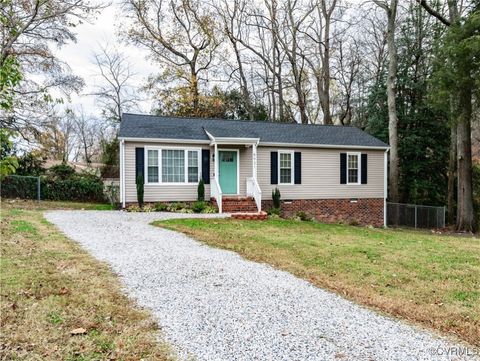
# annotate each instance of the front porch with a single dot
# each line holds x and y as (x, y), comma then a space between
(234, 184)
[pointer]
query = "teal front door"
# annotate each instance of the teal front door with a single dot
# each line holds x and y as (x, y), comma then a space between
(227, 169)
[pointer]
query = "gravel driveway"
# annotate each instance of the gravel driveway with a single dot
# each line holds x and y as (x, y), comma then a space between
(214, 305)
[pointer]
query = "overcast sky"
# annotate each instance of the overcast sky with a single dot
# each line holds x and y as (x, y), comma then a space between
(79, 56)
(103, 30)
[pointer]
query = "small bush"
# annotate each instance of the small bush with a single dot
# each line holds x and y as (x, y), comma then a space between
(198, 206)
(302, 216)
(274, 212)
(201, 191)
(161, 207)
(353, 222)
(112, 192)
(148, 208)
(210, 209)
(276, 198)
(140, 190)
(176, 207)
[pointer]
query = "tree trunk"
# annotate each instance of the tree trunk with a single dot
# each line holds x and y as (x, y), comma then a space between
(392, 109)
(194, 90)
(452, 167)
(325, 96)
(465, 219)
(243, 81)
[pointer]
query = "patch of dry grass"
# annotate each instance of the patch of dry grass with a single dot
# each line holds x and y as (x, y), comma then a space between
(51, 287)
(432, 280)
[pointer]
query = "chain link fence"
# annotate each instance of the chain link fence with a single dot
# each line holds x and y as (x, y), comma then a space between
(24, 187)
(415, 216)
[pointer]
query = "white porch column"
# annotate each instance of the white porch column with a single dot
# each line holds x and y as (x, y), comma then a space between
(216, 162)
(254, 161)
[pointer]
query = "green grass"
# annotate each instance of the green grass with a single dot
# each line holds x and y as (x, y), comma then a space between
(430, 279)
(50, 286)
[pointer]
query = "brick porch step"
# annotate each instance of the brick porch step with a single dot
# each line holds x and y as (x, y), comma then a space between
(239, 205)
(254, 216)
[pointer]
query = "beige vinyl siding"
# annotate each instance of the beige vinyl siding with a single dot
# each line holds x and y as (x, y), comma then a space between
(160, 192)
(321, 175)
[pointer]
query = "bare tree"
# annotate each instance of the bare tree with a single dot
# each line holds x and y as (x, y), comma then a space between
(27, 32)
(391, 11)
(179, 34)
(295, 17)
(348, 69)
(115, 93)
(87, 131)
(232, 15)
(319, 34)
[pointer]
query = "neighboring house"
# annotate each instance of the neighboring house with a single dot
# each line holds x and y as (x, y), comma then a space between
(333, 173)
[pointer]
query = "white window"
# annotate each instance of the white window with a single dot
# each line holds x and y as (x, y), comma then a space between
(285, 167)
(172, 165)
(353, 166)
(152, 166)
(192, 166)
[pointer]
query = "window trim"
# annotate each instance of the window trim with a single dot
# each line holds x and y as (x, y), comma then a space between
(185, 165)
(359, 168)
(292, 166)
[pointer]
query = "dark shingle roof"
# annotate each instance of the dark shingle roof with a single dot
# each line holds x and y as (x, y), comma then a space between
(149, 126)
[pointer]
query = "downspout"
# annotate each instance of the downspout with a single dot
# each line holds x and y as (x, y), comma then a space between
(122, 172)
(385, 186)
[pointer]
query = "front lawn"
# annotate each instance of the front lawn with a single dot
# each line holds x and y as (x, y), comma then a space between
(58, 302)
(429, 279)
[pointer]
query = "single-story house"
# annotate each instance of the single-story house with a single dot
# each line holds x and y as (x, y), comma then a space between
(332, 173)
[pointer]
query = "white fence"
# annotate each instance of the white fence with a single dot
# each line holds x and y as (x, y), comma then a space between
(415, 216)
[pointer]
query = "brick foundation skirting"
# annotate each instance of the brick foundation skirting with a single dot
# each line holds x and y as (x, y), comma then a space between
(362, 211)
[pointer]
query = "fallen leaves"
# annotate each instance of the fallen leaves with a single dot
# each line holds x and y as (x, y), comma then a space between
(78, 331)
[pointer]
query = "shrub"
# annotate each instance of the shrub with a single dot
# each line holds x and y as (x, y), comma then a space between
(140, 190)
(201, 191)
(58, 187)
(31, 165)
(176, 207)
(276, 198)
(112, 191)
(160, 207)
(80, 189)
(303, 216)
(133, 208)
(198, 206)
(210, 209)
(61, 171)
(274, 212)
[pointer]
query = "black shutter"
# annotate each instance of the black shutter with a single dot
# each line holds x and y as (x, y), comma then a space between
(206, 166)
(298, 168)
(139, 163)
(364, 167)
(343, 168)
(273, 167)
